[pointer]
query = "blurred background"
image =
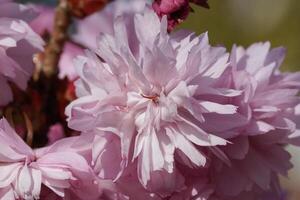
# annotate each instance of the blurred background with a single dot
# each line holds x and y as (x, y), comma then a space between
(244, 22)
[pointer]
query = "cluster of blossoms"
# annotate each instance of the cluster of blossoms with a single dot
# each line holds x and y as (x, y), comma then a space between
(161, 116)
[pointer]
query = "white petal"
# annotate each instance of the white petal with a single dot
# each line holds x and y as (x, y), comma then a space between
(186, 147)
(8, 173)
(218, 108)
(37, 183)
(197, 135)
(56, 173)
(25, 182)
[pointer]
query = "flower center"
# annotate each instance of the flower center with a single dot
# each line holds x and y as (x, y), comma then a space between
(30, 159)
(153, 98)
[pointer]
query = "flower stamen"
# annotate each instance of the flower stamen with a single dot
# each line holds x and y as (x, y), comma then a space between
(154, 98)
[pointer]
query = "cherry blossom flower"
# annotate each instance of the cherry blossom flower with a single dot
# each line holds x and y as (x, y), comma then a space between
(269, 103)
(23, 170)
(18, 43)
(256, 72)
(261, 108)
(152, 91)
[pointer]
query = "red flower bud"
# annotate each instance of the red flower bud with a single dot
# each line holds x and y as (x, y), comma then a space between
(175, 10)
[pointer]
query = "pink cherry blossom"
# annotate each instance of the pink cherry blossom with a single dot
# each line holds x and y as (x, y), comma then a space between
(256, 72)
(269, 103)
(160, 115)
(152, 91)
(18, 43)
(23, 170)
(261, 108)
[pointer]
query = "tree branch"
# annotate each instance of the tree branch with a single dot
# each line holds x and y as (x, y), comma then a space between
(57, 40)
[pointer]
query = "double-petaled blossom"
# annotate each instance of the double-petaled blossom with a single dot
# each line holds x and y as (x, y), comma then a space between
(18, 43)
(269, 107)
(152, 89)
(255, 72)
(58, 167)
(269, 95)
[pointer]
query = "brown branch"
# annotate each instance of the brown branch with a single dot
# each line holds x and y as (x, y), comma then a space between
(12, 115)
(63, 16)
(58, 38)
(46, 83)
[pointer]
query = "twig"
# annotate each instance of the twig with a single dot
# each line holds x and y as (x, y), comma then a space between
(58, 38)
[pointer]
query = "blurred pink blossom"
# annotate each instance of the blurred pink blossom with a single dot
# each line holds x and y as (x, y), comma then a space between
(55, 133)
(18, 44)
